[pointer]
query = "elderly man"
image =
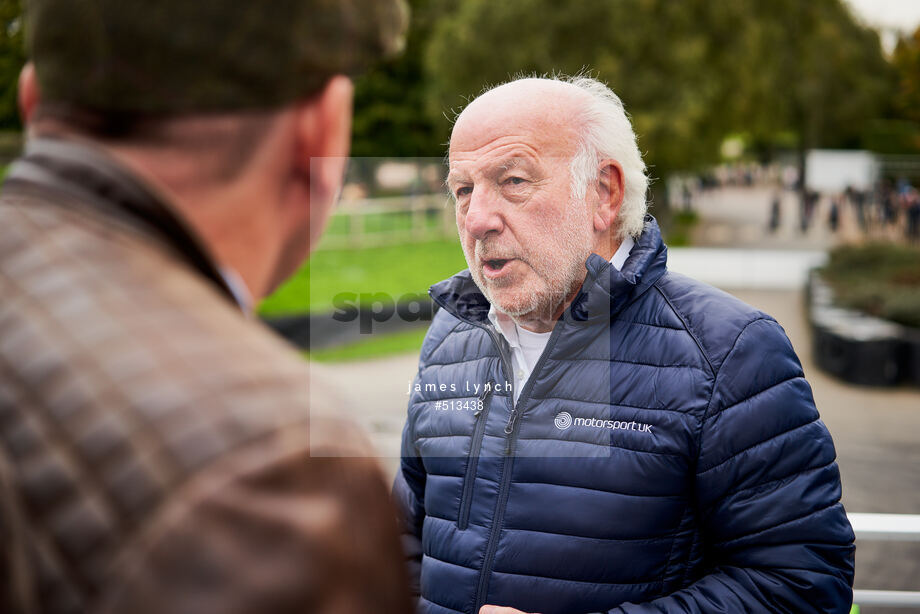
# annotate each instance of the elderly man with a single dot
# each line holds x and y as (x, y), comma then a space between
(160, 451)
(590, 432)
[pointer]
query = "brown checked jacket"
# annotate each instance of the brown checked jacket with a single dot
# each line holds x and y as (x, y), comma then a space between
(159, 451)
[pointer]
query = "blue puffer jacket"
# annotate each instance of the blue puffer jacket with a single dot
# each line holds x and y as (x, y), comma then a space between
(665, 456)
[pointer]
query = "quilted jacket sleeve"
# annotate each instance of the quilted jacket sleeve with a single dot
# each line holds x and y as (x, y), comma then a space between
(409, 498)
(776, 538)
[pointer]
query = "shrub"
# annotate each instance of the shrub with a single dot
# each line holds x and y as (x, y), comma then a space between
(880, 279)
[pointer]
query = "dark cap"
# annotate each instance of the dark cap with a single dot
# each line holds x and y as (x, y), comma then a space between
(175, 56)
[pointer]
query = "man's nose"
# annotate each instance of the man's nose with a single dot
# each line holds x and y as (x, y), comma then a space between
(483, 215)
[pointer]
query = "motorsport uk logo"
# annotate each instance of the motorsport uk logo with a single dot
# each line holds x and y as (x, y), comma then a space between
(564, 420)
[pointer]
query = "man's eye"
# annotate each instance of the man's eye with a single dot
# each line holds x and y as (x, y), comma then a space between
(515, 180)
(463, 191)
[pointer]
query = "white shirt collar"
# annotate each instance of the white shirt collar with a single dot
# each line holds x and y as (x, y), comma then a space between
(238, 289)
(619, 258)
(509, 330)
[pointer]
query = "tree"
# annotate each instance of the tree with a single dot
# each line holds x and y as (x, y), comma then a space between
(389, 110)
(899, 131)
(670, 62)
(814, 71)
(12, 58)
(689, 72)
(906, 62)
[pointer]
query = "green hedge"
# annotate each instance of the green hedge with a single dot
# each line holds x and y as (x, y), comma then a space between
(880, 279)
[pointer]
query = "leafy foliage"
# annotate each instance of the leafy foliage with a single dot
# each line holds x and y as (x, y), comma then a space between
(12, 58)
(690, 72)
(389, 107)
(823, 75)
(899, 131)
(906, 62)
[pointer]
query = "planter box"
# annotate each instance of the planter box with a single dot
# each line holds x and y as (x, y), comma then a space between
(859, 348)
(912, 347)
(874, 362)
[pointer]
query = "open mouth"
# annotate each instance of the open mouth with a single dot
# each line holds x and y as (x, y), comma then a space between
(494, 267)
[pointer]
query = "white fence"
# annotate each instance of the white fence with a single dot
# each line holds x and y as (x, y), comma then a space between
(886, 527)
(390, 221)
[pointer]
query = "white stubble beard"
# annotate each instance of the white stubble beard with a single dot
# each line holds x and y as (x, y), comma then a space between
(560, 278)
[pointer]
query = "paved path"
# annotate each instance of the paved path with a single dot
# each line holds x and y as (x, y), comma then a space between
(738, 217)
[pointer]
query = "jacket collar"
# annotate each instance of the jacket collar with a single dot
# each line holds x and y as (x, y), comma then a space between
(604, 293)
(82, 174)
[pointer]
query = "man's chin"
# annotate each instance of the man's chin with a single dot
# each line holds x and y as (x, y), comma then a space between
(520, 304)
(511, 303)
(511, 299)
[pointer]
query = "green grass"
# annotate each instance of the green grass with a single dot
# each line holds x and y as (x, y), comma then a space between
(394, 270)
(382, 223)
(374, 347)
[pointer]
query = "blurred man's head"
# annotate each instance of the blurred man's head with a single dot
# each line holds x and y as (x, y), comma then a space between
(544, 172)
(241, 111)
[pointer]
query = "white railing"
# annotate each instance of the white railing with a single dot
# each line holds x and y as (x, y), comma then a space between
(886, 527)
(377, 222)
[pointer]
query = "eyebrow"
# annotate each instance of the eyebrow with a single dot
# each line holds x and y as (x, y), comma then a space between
(511, 163)
(503, 166)
(454, 177)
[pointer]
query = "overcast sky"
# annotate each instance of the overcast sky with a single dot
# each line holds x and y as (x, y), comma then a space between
(888, 16)
(900, 14)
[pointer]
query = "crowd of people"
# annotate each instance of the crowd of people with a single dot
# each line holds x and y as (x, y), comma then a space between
(891, 210)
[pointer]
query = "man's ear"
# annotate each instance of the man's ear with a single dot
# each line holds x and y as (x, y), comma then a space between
(323, 137)
(28, 95)
(610, 189)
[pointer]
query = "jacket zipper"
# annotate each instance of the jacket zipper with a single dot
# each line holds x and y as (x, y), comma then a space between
(472, 460)
(511, 429)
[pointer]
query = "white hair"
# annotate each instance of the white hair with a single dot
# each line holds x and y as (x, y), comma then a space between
(607, 133)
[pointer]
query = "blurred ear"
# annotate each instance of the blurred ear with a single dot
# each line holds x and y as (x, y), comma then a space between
(28, 96)
(323, 127)
(312, 161)
(610, 190)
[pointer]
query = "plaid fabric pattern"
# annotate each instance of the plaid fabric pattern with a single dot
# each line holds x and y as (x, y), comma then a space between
(157, 453)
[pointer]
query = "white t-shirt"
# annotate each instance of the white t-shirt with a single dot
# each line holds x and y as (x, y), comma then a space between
(527, 346)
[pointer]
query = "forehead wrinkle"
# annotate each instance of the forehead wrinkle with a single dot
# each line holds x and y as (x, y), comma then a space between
(500, 156)
(537, 143)
(540, 112)
(502, 165)
(492, 145)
